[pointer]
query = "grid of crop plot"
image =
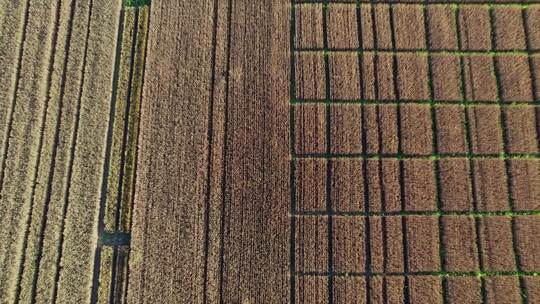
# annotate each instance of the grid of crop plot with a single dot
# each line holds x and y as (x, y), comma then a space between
(415, 152)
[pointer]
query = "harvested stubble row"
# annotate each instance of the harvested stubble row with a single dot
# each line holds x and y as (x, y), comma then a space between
(58, 62)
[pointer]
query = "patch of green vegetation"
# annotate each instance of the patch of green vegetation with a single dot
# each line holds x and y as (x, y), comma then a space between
(136, 3)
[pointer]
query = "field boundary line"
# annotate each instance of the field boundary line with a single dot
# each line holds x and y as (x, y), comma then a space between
(135, 162)
(106, 162)
(225, 150)
(120, 199)
(210, 139)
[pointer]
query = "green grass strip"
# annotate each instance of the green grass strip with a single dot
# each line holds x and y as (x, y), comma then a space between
(136, 3)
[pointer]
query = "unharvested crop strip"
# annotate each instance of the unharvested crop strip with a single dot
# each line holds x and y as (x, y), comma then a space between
(140, 60)
(380, 149)
(52, 60)
(532, 71)
(469, 148)
(73, 142)
(141, 66)
(503, 126)
(26, 118)
(136, 3)
(209, 137)
(116, 192)
(363, 128)
(13, 97)
(406, 289)
(121, 201)
(528, 48)
(46, 196)
(435, 148)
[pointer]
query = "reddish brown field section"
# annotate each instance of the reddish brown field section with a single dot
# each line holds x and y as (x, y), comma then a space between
(415, 158)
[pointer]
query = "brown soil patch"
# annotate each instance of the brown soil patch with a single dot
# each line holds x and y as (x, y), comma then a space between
(310, 82)
(485, 129)
(515, 78)
(419, 184)
(412, 70)
(479, 78)
(425, 287)
(349, 290)
(349, 244)
(527, 228)
(475, 28)
(521, 130)
(423, 243)
(409, 27)
(312, 244)
(491, 185)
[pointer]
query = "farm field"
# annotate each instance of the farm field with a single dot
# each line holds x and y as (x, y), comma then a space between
(71, 77)
(286, 151)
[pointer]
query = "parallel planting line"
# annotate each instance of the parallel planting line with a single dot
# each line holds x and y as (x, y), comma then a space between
(88, 153)
(24, 135)
(40, 240)
(16, 16)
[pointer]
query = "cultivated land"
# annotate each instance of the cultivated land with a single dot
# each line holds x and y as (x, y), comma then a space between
(62, 88)
(212, 194)
(416, 144)
(288, 151)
